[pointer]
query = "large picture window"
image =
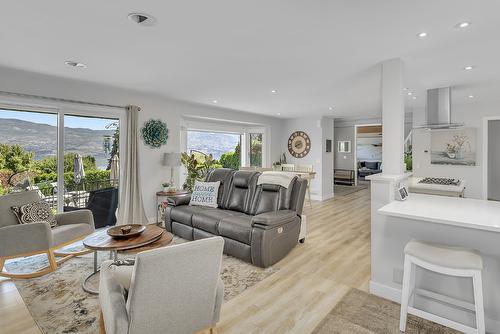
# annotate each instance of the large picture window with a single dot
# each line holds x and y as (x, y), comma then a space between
(65, 157)
(224, 147)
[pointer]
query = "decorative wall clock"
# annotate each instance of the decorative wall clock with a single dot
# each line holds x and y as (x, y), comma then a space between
(299, 144)
(154, 133)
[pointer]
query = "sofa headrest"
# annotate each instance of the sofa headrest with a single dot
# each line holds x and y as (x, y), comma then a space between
(241, 179)
(271, 187)
(219, 174)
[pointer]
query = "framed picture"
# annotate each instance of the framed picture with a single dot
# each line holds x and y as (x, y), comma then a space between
(344, 146)
(328, 145)
(455, 147)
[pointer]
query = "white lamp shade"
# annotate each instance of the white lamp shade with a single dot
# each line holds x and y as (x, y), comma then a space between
(172, 159)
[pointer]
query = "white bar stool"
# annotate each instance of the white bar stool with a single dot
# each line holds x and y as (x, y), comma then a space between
(445, 260)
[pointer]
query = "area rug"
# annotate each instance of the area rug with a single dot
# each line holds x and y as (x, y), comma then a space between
(343, 190)
(361, 313)
(58, 304)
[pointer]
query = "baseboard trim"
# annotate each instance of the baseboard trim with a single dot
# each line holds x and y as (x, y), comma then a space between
(316, 197)
(394, 294)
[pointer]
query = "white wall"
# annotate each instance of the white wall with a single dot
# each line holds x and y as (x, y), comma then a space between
(494, 160)
(169, 111)
(313, 126)
(472, 114)
(327, 159)
(344, 160)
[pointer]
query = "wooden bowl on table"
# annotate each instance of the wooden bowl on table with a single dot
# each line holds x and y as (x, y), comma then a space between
(125, 231)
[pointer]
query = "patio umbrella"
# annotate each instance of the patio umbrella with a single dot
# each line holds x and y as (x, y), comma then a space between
(79, 171)
(114, 174)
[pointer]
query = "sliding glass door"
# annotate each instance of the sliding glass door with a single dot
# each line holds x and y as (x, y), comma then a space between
(66, 157)
(28, 153)
(91, 158)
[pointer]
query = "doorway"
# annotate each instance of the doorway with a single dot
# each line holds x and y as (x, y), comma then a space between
(368, 151)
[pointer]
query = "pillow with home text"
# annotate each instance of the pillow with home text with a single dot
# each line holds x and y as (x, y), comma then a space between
(205, 194)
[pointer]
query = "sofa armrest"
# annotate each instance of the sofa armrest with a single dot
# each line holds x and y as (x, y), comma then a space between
(24, 238)
(273, 219)
(83, 216)
(179, 200)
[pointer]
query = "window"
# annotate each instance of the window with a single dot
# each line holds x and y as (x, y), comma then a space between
(255, 149)
(224, 147)
(63, 163)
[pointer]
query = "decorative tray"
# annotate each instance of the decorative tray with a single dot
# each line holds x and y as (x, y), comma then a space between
(126, 231)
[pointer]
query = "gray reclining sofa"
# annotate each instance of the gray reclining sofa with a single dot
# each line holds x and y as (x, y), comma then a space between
(260, 224)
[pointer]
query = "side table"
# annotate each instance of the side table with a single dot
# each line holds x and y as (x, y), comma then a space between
(162, 204)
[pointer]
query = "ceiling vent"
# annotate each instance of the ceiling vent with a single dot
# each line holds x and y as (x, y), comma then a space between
(141, 19)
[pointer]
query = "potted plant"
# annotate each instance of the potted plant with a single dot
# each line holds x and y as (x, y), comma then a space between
(451, 151)
(167, 187)
(195, 169)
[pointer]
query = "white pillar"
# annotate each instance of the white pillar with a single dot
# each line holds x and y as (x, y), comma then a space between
(393, 117)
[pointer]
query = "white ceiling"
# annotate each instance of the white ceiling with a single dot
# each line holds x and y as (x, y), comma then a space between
(315, 53)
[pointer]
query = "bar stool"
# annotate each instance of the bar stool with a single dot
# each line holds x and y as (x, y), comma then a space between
(452, 261)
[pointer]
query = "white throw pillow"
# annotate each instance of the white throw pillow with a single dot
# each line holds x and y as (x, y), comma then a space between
(205, 194)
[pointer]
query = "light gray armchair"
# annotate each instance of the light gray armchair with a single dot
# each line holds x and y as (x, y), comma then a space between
(175, 289)
(19, 240)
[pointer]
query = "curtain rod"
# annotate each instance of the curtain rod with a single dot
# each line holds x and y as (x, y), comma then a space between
(62, 100)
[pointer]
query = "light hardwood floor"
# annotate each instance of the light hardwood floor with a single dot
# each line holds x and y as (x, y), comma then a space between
(311, 279)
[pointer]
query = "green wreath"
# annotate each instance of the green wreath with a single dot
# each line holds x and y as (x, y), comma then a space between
(154, 133)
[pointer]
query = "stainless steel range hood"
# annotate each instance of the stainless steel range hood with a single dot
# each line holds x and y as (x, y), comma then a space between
(438, 110)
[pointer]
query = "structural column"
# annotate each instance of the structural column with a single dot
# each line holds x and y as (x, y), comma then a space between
(393, 117)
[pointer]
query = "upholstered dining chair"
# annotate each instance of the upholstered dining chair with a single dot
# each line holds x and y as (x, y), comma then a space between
(176, 289)
(20, 240)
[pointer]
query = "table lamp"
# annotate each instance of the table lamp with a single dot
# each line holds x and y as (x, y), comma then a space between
(172, 160)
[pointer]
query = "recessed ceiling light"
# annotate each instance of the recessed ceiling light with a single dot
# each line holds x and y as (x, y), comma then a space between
(471, 96)
(215, 101)
(141, 19)
(409, 93)
(274, 91)
(463, 25)
(278, 113)
(469, 68)
(414, 97)
(422, 34)
(330, 108)
(73, 63)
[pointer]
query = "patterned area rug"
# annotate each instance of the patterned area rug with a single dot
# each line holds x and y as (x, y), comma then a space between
(361, 313)
(58, 304)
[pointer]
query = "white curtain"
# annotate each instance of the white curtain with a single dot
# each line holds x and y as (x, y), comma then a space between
(131, 208)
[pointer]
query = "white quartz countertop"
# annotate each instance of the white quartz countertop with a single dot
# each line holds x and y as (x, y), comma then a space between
(464, 212)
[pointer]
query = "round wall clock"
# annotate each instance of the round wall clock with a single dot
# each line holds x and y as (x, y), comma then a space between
(299, 144)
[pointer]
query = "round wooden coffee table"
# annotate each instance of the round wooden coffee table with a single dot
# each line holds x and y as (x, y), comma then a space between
(152, 237)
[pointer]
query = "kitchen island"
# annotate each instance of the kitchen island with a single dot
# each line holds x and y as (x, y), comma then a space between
(461, 222)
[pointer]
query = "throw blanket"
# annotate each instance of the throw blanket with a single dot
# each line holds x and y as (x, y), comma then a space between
(278, 178)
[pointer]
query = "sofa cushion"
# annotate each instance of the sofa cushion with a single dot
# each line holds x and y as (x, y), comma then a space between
(242, 191)
(224, 176)
(371, 164)
(65, 233)
(208, 220)
(183, 214)
(237, 228)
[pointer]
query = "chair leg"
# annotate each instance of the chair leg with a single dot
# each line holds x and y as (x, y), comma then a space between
(309, 194)
(52, 260)
(102, 329)
(213, 330)
(2, 262)
(405, 293)
(478, 302)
